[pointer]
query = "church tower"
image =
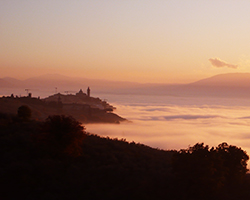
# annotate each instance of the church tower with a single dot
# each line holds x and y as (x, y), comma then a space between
(88, 92)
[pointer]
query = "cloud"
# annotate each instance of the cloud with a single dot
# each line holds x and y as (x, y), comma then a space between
(178, 117)
(190, 117)
(216, 62)
(246, 117)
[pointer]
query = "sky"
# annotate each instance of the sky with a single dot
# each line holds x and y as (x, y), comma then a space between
(174, 41)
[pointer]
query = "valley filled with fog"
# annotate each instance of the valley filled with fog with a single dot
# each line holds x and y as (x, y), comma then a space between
(169, 122)
(212, 110)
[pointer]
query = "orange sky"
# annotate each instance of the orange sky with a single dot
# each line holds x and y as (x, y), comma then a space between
(142, 41)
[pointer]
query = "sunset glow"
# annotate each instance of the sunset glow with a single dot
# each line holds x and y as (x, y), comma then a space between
(142, 41)
(125, 99)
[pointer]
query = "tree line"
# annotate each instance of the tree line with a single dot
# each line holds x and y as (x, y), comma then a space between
(58, 159)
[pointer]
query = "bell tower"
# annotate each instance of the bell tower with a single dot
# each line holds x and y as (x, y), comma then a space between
(88, 92)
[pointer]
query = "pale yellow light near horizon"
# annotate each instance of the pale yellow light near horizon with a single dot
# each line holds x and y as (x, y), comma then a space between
(168, 42)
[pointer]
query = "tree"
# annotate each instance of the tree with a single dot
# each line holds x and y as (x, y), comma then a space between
(202, 171)
(63, 135)
(24, 112)
(234, 161)
(193, 170)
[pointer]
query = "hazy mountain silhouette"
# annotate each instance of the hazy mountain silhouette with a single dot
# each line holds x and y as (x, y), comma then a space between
(63, 83)
(225, 80)
(51, 80)
(8, 82)
(13, 82)
(222, 85)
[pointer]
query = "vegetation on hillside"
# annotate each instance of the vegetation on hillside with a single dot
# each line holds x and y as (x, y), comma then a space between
(200, 171)
(58, 159)
(87, 111)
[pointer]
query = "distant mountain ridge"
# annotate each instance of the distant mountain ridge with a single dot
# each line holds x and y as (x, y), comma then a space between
(233, 85)
(4, 83)
(228, 80)
(57, 80)
(224, 85)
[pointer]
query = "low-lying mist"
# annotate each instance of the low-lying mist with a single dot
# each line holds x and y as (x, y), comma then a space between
(177, 125)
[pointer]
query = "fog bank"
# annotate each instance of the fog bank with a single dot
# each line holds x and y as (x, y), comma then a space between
(175, 126)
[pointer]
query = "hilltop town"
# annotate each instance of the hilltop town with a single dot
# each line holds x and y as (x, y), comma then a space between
(81, 106)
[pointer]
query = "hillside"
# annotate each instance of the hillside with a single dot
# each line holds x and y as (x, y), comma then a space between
(58, 159)
(34, 166)
(225, 80)
(233, 85)
(82, 107)
(6, 84)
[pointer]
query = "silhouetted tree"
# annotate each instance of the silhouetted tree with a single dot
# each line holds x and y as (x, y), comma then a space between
(64, 135)
(193, 170)
(202, 171)
(234, 161)
(24, 112)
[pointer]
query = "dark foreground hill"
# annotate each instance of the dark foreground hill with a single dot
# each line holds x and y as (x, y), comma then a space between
(37, 162)
(57, 159)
